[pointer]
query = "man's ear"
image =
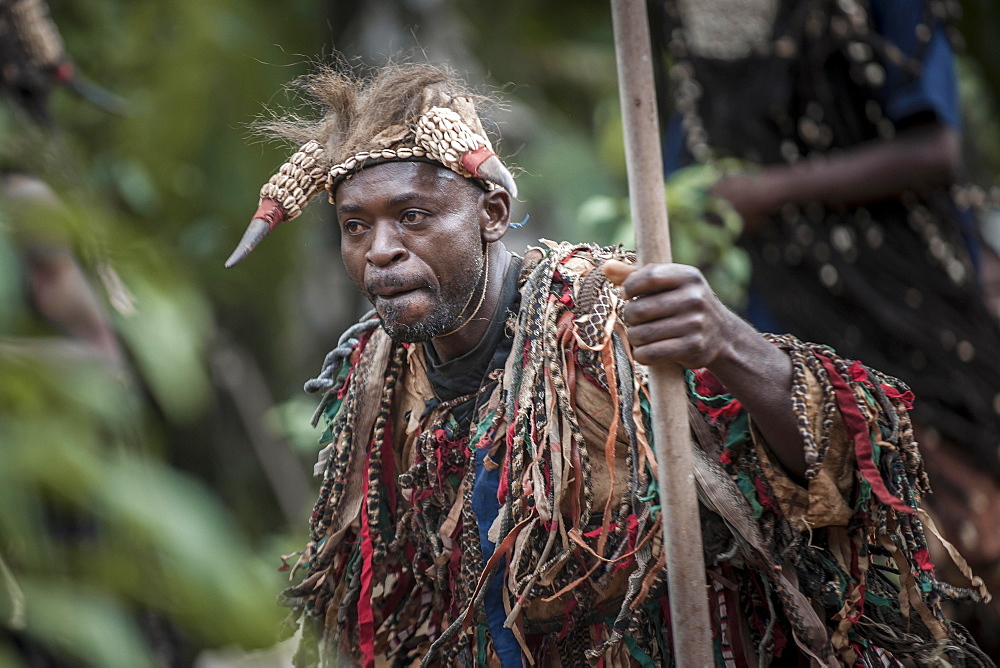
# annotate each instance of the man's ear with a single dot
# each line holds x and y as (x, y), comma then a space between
(494, 214)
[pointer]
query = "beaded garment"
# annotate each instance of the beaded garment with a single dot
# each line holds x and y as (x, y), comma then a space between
(890, 282)
(835, 572)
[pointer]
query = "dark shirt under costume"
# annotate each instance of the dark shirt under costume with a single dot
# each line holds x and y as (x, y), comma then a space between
(467, 375)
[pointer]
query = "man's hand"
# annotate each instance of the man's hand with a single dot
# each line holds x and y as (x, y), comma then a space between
(673, 316)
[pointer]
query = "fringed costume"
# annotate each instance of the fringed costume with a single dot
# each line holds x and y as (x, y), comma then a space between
(508, 505)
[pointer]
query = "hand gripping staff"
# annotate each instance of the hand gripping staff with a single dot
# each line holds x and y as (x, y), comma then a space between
(689, 617)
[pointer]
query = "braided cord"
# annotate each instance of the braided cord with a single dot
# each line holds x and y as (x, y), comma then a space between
(373, 503)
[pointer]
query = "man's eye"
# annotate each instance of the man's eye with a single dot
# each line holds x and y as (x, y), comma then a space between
(353, 227)
(413, 216)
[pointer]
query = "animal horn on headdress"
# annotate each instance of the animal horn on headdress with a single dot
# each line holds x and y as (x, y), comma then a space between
(449, 139)
(268, 215)
(283, 197)
(484, 163)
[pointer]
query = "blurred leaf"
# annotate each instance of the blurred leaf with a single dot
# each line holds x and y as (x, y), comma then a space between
(293, 419)
(168, 335)
(11, 281)
(86, 625)
(95, 524)
(205, 574)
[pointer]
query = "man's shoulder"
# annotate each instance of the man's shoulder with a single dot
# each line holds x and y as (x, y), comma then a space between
(567, 263)
(561, 290)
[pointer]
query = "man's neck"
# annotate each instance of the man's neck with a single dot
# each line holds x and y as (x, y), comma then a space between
(465, 339)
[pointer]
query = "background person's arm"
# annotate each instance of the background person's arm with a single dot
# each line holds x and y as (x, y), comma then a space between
(920, 159)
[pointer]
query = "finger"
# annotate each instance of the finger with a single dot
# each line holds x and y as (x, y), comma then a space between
(617, 271)
(688, 351)
(658, 278)
(666, 304)
(666, 329)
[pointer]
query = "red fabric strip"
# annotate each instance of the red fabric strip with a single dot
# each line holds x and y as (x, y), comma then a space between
(859, 374)
(905, 397)
(472, 159)
(857, 427)
(716, 415)
(923, 558)
(763, 495)
(504, 486)
(597, 532)
(271, 212)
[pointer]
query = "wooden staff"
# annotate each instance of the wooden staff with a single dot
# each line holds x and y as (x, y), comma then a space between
(689, 617)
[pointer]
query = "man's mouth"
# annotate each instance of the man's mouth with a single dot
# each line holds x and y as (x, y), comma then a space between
(393, 292)
(396, 294)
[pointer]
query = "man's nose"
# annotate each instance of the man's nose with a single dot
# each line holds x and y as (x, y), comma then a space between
(387, 246)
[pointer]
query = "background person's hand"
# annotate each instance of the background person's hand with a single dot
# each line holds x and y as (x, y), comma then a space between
(751, 195)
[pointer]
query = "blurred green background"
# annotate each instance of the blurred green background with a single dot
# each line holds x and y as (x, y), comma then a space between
(143, 509)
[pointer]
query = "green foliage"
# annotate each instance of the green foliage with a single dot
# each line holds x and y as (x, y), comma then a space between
(293, 419)
(100, 530)
(168, 341)
(85, 624)
(95, 529)
(703, 227)
(11, 281)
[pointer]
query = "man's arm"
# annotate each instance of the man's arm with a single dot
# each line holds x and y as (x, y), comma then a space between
(919, 159)
(673, 316)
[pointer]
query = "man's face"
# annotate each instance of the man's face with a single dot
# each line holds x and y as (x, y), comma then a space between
(411, 241)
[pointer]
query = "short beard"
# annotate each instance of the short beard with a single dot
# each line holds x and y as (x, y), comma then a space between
(425, 330)
(443, 319)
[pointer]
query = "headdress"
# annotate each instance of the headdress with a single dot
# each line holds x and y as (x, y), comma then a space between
(404, 113)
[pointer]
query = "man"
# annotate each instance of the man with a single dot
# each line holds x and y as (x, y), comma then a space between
(489, 489)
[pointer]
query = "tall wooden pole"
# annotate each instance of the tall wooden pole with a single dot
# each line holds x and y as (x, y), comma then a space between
(678, 498)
